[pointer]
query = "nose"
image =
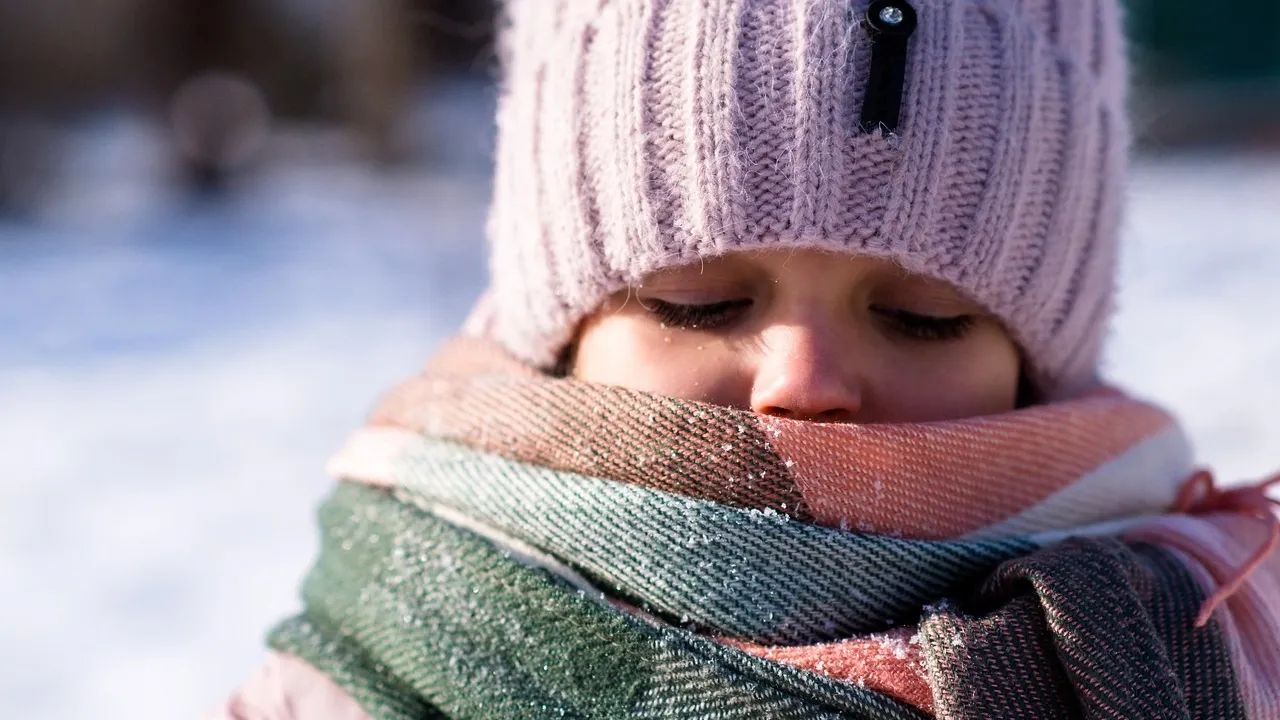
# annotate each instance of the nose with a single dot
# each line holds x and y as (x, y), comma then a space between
(801, 375)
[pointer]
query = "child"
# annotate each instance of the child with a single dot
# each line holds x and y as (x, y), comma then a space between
(784, 400)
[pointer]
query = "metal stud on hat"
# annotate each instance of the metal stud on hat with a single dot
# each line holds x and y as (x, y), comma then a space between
(892, 15)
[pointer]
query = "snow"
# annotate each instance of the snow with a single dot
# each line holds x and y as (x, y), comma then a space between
(1199, 322)
(174, 376)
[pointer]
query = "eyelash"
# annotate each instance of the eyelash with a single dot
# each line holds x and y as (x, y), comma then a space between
(926, 327)
(714, 316)
(697, 317)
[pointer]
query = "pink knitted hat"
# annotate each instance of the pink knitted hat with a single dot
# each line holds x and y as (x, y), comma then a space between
(981, 142)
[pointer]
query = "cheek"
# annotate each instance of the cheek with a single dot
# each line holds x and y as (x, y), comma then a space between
(978, 377)
(633, 353)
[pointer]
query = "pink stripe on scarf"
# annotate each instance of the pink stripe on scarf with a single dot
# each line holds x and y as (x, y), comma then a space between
(891, 663)
(1215, 547)
(950, 479)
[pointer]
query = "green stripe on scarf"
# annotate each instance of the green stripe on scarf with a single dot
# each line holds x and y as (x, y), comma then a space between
(415, 617)
(758, 576)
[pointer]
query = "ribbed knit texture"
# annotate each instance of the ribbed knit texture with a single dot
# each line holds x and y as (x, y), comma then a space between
(636, 135)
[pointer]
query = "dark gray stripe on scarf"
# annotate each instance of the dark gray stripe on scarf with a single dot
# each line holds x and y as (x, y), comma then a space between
(1089, 628)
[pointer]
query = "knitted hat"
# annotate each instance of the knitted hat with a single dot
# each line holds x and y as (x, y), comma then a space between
(980, 142)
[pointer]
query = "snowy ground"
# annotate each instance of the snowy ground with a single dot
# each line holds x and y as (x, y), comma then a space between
(173, 377)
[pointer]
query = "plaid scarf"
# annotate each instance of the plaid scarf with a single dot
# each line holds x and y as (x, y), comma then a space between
(508, 545)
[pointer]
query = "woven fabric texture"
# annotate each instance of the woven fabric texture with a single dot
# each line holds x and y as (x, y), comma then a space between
(419, 619)
(531, 567)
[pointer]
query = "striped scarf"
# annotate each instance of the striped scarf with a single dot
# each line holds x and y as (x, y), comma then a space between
(508, 545)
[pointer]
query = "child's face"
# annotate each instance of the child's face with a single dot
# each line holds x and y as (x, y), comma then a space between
(805, 335)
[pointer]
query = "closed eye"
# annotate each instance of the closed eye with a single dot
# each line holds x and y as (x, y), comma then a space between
(712, 316)
(917, 326)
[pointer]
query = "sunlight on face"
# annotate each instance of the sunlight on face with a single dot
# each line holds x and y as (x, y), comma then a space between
(806, 335)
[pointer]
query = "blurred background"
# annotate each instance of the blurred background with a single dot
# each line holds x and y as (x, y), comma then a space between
(227, 225)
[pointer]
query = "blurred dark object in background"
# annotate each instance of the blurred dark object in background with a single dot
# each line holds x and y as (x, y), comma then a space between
(224, 78)
(28, 155)
(375, 78)
(360, 64)
(58, 59)
(458, 33)
(204, 68)
(220, 122)
(1208, 73)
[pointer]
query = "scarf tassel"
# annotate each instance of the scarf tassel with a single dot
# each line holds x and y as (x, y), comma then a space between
(1200, 494)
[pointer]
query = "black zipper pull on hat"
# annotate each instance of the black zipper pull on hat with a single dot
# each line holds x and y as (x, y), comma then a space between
(890, 24)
